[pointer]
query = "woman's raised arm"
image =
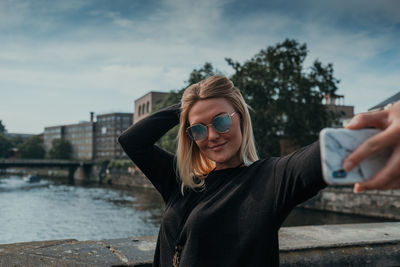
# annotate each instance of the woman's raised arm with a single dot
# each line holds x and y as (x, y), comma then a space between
(138, 141)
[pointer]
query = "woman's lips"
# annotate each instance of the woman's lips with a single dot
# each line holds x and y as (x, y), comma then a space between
(217, 147)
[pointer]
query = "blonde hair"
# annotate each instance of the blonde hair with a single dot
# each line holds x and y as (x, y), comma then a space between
(193, 166)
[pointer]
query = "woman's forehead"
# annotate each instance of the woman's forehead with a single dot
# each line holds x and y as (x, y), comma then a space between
(204, 111)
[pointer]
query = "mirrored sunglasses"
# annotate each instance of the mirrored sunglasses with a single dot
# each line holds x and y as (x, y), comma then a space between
(221, 124)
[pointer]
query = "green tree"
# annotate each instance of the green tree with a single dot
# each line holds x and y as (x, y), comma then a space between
(169, 140)
(204, 72)
(32, 148)
(285, 97)
(2, 128)
(60, 149)
(17, 140)
(120, 164)
(5, 142)
(5, 145)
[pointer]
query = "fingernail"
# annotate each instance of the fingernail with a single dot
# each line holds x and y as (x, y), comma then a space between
(357, 188)
(350, 123)
(348, 165)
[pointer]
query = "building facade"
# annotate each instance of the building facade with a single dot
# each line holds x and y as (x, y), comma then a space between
(79, 135)
(145, 105)
(51, 133)
(92, 140)
(335, 104)
(99, 140)
(108, 128)
(81, 138)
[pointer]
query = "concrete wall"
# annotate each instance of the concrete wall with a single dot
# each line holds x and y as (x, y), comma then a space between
(94, 173)
(344, 111)
(131, 177)
(385, 204)
(329, 245)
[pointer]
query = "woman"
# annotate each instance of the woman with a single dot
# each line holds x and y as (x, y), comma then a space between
(224, 206)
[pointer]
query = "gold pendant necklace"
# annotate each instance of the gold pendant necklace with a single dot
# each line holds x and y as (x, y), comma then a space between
(175, 259)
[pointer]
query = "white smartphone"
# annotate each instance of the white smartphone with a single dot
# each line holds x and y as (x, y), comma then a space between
(337, 144)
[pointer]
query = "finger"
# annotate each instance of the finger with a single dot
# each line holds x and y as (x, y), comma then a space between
(387, 178)
(376, 119)
(395, 184)
(392, 185)
(388, 137)
(373, 184)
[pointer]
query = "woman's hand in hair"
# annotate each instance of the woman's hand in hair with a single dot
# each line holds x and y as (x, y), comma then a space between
(388, 121)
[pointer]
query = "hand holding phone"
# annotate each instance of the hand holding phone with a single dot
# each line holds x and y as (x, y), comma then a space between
(388, 120)
(337, 144)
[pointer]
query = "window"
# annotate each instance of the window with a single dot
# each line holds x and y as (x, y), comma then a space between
(147, 107)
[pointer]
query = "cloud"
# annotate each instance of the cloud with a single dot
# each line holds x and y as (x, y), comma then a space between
(37, 17)
(89, 49)
(364, 12)
(368, 88)
(9, 17)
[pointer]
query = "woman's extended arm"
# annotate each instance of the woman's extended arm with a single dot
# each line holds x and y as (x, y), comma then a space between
(138, 142)
(298, 177)
(388, 121)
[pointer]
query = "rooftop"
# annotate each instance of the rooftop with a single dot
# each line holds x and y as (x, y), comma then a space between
(391, 99)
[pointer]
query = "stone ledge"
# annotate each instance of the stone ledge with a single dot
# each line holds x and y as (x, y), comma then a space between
(369, 244)
(327, 245)
(338, 235)
(113, 252)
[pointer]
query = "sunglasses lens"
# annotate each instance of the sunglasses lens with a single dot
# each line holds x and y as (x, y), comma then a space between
(222, 123)
(198, 132)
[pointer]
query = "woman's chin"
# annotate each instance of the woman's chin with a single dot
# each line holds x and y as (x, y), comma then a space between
(218, 158)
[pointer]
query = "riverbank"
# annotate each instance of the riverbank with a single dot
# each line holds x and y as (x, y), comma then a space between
(44, 172)
(102, 173)
(381, 204)
(376, 244)
(129, 177)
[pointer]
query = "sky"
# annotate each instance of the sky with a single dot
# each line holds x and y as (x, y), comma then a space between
(60, 60)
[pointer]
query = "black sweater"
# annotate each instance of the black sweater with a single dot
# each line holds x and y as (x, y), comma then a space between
(235, 220)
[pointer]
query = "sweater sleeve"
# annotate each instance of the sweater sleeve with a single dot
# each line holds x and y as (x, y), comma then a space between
(138, 142)
(298, 177)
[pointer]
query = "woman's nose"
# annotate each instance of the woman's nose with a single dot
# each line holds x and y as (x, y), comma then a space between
(212, 133)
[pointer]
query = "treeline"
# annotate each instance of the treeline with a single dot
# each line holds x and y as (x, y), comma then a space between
(285, 97)
(31, 147)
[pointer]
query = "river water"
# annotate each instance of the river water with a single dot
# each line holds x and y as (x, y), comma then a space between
(52, 209)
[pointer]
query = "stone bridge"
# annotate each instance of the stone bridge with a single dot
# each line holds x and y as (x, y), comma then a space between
(82, 170)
